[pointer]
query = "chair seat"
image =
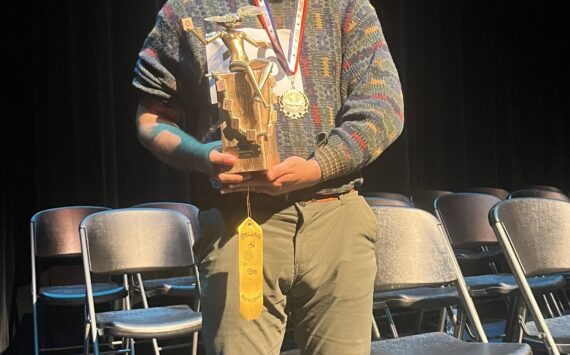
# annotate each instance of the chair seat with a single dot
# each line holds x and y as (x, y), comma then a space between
(183, 286)
(559, 328)
(437, 344)
(504, 284)
(144, 323)
(441, 343)
(421, 297)
(74, 295)
(477, 256)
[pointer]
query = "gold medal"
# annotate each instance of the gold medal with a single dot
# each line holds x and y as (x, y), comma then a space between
(250, 261)
(294, 103)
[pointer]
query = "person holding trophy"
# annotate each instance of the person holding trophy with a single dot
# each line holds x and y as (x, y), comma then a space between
(277, 105)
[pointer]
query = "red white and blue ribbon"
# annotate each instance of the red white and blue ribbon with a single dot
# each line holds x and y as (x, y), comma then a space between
(291, 63)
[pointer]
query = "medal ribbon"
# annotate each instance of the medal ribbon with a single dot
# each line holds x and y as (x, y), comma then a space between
(291, 63)
(250, 261)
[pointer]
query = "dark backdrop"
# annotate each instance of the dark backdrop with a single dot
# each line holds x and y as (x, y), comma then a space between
(485, 89)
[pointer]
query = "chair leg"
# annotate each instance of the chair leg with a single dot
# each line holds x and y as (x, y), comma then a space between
(565, 296)
(195, 343)
(419, 321)
(550, 313)
(459, 324)
(391, 321)
(512, 320)
(96, 346)
(375, 329)
(87, 331)
(554, 301)
(155, 347)
(35, 320)
(451, 313)
(442, 317)
(522, 315)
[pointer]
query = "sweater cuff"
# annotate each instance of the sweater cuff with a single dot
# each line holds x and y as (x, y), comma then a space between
(331, 163)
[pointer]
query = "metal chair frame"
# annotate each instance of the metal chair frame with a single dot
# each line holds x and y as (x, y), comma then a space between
(98, 264)
(537, 265)
(56, 242)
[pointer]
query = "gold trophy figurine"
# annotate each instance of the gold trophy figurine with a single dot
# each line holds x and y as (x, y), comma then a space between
(234, 41)
(245, 97)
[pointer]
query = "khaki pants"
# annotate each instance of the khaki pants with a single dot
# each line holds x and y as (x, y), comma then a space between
(319, 269)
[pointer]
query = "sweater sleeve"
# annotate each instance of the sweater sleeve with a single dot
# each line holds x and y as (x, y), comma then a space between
(165, 66)
(372, 114)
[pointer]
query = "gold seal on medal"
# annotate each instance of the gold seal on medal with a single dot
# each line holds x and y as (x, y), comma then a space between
(294, 103)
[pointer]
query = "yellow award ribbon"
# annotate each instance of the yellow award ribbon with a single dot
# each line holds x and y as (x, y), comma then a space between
(250, 261)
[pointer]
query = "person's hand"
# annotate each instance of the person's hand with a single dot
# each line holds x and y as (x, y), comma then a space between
(293, 173)
(222, 163)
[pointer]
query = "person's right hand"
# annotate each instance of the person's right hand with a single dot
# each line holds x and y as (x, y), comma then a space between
(223, 162)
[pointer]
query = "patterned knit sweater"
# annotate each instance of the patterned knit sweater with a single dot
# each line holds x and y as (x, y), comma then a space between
(356, 105)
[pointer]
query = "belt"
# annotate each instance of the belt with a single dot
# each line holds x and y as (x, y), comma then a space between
(212, 199)
(304, 197)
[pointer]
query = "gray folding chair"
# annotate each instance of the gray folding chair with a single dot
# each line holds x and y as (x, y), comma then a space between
(464, 217)
(412, 251)
(466, 224)
(54, 234)
(539, 193)
(131, 241)
(494, 191)
(173, 284)
(535, 235)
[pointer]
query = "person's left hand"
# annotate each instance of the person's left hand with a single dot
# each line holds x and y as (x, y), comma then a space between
(293, 173)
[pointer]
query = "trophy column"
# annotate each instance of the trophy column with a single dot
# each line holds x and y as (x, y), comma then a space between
(247, 123)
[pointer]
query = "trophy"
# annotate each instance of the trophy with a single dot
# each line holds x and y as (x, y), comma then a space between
(245, 104)
(245, 95)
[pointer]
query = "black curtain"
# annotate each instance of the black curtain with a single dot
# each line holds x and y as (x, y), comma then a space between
(485, 89)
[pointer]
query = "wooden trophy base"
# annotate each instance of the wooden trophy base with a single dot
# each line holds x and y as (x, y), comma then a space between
(248, 124)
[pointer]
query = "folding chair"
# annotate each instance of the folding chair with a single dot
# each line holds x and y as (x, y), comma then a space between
(466, 224)
(131, 241)
(539, 193)
(412, 251)
(55, 235)
(173, 285)
(464, 217)
(494, 191)
(535, 235)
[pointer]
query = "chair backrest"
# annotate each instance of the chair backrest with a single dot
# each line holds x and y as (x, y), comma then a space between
(538, 230)
(495, 191)
(541, 187)
(424, 199)
(411, 250)
(381, 201)
(389, 195)
(189, 210)
(539, 193)
(465, 218)
(133, 240)
(55, 231)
